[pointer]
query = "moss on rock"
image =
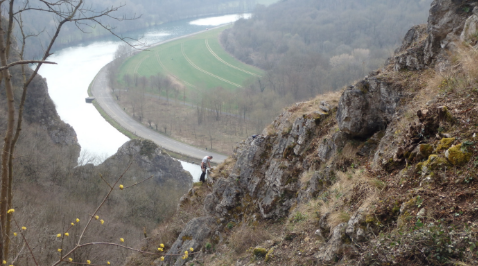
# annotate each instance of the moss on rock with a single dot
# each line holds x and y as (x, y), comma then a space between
(445, 143)
(457, 156)
(259, 252)
(426, 149)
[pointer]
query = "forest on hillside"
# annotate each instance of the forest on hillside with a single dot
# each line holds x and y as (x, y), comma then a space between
(132, 15)
(306, 47)
(310, 47)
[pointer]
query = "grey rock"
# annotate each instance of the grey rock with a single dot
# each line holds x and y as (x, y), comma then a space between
(421, 213)
(367, 107)
(411, 54)
(334, 246)
(470, 29)
(152, 161)
(192, 236)
(355, 227)
(329, 147)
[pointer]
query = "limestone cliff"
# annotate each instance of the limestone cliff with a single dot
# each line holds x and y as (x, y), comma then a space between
(380, 174)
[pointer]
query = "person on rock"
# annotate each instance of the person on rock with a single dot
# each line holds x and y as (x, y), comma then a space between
(205, 163)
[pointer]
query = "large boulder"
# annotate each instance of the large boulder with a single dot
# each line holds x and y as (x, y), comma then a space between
(367, 107)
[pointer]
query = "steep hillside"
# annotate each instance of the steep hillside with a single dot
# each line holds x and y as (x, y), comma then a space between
(382, 173)
(50, 190)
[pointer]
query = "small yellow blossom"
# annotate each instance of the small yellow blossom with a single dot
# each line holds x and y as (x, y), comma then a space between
(121, 239)
(70, 259)
(160, 249)
(58, 235)
(4, 262)
(88, 261)
(11, 265)
(102, 221)
(11, 211)
(121, 187)
(24, 228)
(192, 249)
(162, 258)
(108, 263)
(59, 250)
(161, 245)
(72, 224)
(15, 234)
(67, 234)
(97, 217)
(186, 252)
(77, 220)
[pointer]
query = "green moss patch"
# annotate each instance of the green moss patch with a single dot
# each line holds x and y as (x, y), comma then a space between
(457, 156)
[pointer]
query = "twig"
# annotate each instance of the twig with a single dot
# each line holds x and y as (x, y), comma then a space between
(24, 239)
(105, 181)
(137, 183)
(24, 62)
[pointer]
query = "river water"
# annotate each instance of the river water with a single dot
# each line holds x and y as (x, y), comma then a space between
(76, 67)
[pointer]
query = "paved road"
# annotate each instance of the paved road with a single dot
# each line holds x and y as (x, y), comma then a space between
(102, 94)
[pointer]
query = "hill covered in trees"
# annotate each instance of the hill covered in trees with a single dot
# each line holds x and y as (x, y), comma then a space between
(309, 47)
(132, 15)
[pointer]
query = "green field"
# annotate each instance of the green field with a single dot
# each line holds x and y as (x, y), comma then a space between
(197, 61)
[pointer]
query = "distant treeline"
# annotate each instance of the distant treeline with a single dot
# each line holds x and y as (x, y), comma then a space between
(151, 12)
(308, 47)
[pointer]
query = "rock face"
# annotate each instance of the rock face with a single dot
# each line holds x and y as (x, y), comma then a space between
(445, 26)
(147, 156)
(266, 177)
(193, 236)
(367, 107)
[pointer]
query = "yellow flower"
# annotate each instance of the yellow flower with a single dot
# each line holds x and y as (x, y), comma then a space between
(161, 245)
(121, 187)
(97, 217)
(11, 211)
(192, 249)
(77, 220)
(121, 239)
(108, 263)
(4, 262)
(72, 224)
(67, 234)
(70, 259)
(88, 261)
(186, 252)
(59, 250)
(160, 249)
(15, 234)
(58, 235)
(102, 221)
(162, 258)
(24, 228)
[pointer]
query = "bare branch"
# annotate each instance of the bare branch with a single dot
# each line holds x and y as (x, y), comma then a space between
(26, 62)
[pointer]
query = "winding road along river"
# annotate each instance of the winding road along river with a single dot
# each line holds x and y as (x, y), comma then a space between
(76, 68)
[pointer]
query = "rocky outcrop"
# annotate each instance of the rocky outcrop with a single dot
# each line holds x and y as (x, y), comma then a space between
(151, 160)
(367, 107)
(445, 26)
(193, 236)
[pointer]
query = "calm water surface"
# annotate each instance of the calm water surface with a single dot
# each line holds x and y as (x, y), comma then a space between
(68, 83)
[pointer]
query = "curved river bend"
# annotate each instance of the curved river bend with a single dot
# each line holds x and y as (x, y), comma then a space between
(68, 83)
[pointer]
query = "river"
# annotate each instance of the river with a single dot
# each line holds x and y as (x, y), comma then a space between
(76, 67)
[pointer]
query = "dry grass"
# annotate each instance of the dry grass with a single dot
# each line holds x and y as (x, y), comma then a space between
(337, 218)
(308, 107)
(306, 176)
(353, 184)
(245, 237)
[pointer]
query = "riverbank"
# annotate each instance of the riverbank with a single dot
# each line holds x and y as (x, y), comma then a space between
(114, 115)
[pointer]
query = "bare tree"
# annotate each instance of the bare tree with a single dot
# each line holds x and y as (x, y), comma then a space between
(63, 11)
